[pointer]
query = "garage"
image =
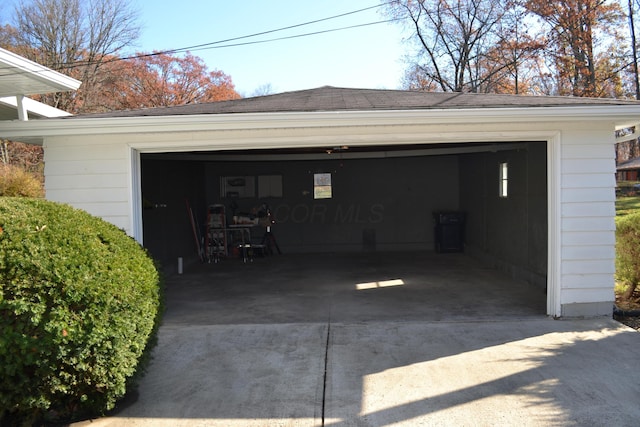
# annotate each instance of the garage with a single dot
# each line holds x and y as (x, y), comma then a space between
(378, 226)
(379, 198)
(361, 171)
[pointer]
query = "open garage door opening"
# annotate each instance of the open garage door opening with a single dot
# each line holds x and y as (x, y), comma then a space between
(342, 199)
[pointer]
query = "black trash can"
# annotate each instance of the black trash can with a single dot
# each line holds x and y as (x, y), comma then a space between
(449, 231)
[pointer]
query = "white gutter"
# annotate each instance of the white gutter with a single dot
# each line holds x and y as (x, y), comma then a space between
(620, 116)
(28, 70)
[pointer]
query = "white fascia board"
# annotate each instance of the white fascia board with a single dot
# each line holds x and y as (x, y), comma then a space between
(616, 115)
(34, 107)
(18, 65)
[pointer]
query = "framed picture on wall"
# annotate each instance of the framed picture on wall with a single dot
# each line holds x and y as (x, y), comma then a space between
(321, 185)
(238, 186)
(269, 186)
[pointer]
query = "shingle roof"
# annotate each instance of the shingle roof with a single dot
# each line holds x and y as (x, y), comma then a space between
(328, 98)
(629, 164)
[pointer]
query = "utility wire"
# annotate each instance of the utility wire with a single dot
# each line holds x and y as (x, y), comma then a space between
(225, 43)
(200, 46)
(217, 45)
(296, 35)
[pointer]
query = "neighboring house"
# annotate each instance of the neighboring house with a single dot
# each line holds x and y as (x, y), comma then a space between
(628, 170)
(20, 77)
(534, 176)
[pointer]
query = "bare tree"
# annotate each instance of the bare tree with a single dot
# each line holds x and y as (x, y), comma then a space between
(456, 42)
(28, 157)
(7, 36)
(509, 64)
(262, 90)
(75, 37)
(577, 30)
(4, 151)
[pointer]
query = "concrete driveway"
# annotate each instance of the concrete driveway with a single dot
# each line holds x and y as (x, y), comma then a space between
(377, 340)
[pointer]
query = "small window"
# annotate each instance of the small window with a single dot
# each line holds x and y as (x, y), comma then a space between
(503, 191)
(322, 186)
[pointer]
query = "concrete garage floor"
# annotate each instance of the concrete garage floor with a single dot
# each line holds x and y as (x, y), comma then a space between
(359, 287)
(402, 339)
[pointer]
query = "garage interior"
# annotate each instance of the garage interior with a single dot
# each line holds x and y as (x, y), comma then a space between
(382, 199)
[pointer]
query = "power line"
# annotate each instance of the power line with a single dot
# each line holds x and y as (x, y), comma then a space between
(225, 42)
(198, 47)
(295, 36)
(217, 45)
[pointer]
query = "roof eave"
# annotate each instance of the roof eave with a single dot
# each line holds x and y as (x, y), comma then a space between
(34, 107)
(620, 116)
(55, 81)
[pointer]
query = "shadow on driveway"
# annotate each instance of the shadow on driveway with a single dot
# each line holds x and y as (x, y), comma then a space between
(282, 343)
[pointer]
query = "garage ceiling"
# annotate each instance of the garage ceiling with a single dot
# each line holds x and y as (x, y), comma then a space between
(341, 151)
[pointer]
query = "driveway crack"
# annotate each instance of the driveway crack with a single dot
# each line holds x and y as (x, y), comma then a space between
(326, 364)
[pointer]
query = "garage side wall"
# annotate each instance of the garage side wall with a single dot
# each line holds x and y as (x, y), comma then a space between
(167, 188)
(507, 232)
(587, 209)
(92, 174)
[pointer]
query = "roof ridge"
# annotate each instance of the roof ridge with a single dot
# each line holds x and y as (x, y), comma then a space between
(331, 98)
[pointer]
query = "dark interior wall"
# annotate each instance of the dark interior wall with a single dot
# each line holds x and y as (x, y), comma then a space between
(166, 184)
(511, 232)
(382, 204)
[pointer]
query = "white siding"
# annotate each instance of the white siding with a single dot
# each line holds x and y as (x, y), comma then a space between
(581, 267)
(588, 238)
(586, 295)
(590, 209)
(588, 180)
(90, 174)
(582, 224)
(79, 195)
(599, 194)
(587, 216)
(587, 253)
(585, 151)
(586, 281)
(94, 173)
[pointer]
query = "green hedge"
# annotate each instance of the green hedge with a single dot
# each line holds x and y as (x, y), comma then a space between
(80, 303)
(628, 251)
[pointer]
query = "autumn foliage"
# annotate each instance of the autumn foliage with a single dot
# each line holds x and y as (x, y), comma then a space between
(575, 25)
(542, 47)
(15, 181)
(86, 41)
(21, 170)
(161, 80)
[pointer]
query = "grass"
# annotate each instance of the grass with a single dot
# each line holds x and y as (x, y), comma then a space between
(627, 198)
(627, 202)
